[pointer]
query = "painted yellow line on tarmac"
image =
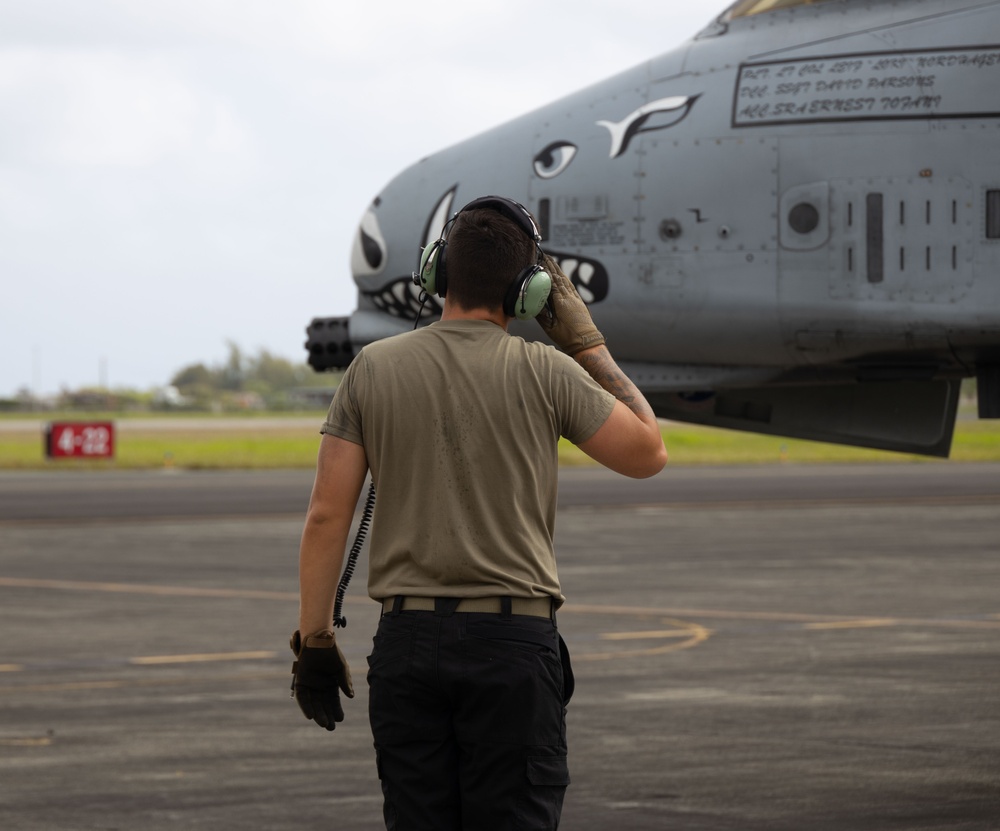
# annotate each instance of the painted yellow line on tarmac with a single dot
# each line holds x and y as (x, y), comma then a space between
(72, 686)
(986, 622)
(27, 741)
(991, 621)
(153, 660)
(656, 633)
(145, 588)
(720, 614)
(853, 624)
(148, 660)
(683, 634)
(132, 683)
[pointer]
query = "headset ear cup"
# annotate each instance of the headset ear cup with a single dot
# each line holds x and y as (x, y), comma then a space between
(528, 293)
(432, 276)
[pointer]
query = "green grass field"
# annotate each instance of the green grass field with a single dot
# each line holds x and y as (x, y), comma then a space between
(282, 442)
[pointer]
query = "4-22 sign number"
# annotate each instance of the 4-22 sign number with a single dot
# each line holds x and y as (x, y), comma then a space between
(79, 440)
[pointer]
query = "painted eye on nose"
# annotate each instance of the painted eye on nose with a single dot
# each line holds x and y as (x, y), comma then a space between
(554, 159)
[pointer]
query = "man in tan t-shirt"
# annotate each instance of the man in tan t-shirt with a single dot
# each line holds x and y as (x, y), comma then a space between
(458, 423)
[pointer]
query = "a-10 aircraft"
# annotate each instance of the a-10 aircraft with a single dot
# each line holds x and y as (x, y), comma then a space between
(789, 224)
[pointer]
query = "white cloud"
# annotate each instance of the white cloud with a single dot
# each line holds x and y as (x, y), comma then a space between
(176, 173)
(110, 109)
(122, 111)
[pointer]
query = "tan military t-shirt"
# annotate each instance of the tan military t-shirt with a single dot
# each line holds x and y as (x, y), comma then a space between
(460, 423)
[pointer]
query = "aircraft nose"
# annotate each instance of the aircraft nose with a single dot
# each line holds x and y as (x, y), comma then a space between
(369, 252)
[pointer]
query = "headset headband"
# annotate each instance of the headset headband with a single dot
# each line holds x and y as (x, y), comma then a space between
(514, 211)
(529, 291)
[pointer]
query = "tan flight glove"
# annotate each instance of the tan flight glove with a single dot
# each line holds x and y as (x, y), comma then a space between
(318, 676)
(565, 317)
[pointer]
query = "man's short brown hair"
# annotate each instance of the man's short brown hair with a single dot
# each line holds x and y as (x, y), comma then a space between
(486, 251)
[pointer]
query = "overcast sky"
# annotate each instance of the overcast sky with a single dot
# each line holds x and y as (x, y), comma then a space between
(179, 174)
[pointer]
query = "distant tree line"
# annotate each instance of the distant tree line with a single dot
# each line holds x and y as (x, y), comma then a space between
(261, 381)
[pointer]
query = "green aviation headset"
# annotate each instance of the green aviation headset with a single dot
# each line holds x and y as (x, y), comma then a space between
(528, 293)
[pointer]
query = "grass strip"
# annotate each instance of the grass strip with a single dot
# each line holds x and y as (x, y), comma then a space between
(274, 446)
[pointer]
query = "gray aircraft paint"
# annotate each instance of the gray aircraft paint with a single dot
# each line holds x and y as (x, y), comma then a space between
(789, 225)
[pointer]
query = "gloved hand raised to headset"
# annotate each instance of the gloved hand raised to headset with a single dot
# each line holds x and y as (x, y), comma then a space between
(566, 318)
(319, 674)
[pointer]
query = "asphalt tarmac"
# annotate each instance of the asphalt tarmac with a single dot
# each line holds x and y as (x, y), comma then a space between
(755, 648)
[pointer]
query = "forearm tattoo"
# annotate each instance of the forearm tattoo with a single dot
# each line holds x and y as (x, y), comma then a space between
(603, 369)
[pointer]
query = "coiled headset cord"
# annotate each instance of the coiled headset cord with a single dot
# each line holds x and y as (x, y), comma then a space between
(352, 559)
(339, 621)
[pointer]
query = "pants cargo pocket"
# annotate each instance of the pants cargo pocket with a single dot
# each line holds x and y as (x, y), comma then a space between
(548, 778)
(569, 681)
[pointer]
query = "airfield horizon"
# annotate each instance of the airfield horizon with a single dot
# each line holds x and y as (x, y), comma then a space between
(272, 440)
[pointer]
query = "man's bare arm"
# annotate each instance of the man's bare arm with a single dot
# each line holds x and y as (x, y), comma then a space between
(603, 369)
(340, 473)
(629, 442)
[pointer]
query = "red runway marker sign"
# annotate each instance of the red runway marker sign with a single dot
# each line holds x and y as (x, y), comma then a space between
(80, 440)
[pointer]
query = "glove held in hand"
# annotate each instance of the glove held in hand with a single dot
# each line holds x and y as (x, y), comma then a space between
(318, 677)
(566, 318)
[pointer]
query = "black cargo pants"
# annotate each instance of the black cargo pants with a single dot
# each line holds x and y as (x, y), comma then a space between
(468, 716)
